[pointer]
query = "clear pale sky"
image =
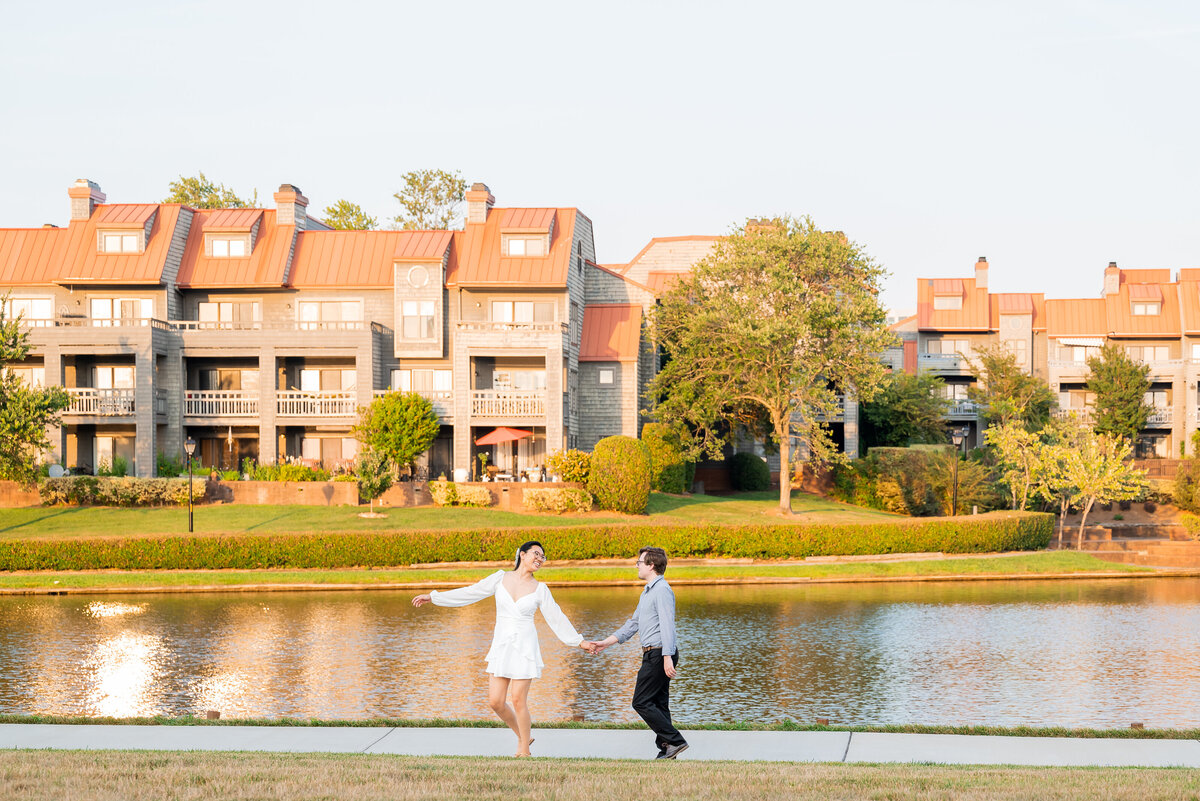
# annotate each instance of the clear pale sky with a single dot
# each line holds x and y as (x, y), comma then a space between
(1051, 137)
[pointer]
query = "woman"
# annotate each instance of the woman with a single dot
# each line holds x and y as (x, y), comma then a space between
(514, 659)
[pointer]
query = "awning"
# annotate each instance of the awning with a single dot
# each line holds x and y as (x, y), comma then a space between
(502, 434)
(1082, 342)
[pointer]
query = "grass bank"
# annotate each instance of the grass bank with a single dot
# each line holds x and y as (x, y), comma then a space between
(133, 776)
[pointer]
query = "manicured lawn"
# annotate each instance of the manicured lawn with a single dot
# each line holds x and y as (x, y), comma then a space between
(58, 522)
(1049, 563)
(133, 775)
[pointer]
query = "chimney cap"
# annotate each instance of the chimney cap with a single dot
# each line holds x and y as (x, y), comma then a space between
(1112, 265)
(983, 259)
(479, 186)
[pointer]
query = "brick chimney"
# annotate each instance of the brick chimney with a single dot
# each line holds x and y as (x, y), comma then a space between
(290, 205)
(981, 273)
(1112, 279)
(479, 202)
(85, 195)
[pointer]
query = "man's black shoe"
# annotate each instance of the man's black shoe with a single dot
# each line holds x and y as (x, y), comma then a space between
(672, 751)
(662, 752)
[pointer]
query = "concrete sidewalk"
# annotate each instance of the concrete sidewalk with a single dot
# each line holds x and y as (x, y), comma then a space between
(949, 749)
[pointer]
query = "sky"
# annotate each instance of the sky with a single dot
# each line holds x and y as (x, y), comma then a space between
(1051, 137)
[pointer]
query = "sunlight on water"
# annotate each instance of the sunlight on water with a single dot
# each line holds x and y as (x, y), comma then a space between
(1078, 653)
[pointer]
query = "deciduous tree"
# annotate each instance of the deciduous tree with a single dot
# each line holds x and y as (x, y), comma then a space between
(25, 411)
(1120, 385)
(1017, 452)
(201, 193)
(1101, 468)
(398, 425)
(374, 473)
(908, 409)
(1006, 392)
(346, 216)
(430, 199)
(764, 329)
(1052, 480)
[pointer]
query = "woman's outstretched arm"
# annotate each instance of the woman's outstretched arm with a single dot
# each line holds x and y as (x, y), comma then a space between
(557, 621)
(463, 596)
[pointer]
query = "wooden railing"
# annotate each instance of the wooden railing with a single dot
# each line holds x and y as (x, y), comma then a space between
(962, 408)
(492, 325)
(219, 403)
(106, 402)
(442, 400)
(329, 403)
(508, 403)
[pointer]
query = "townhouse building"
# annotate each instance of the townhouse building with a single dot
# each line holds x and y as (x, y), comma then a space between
(259, 333)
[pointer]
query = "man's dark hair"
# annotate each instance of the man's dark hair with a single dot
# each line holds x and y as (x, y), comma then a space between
(656, 558)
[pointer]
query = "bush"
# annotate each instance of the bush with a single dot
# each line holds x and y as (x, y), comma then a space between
(620, 475)
(570, 465)
(916, 481)
(999, 531)
(118, 491)
(1191, 524)
(473, 496)
(288, 472)
(443, 492)
(667, 473)
(168, 468)
(447, 493)
(117, 467)
(558, 500)
(749, 473)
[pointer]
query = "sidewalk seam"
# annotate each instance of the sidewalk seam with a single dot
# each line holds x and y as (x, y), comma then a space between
(377, 742)
(847, 751)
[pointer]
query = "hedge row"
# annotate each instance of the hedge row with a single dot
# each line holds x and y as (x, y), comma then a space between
(118, 491)
(1002, 531)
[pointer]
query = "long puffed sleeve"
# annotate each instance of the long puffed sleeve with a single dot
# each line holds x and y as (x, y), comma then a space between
(555, 618)
(463, 596)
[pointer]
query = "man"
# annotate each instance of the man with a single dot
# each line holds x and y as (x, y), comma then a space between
(654, 623)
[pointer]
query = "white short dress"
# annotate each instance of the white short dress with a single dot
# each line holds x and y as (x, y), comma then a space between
(514, 653)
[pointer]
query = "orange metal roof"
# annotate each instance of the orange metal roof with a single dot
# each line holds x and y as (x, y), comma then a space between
(265, 266)
(973, 316)
(476, 259)
(1146, 276)
(611, 332)
(1123, 323)
(1189, 302)
(1015, 303)
(660, 281)
(232, 219)
(1082, 317)
(1189, 274)
(125, 215)
(1145, 292)
(530, 220)
(947, 286)
(70, 255)
(361, 258)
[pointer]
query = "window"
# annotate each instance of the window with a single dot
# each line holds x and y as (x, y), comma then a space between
(228, 311)
(1146, 309)
(120, 243)
(1196, 350)
(947, 302)
(1018, 348)
(1080, 353)
(606, 376)
(1157, 399)
(29, 376)
(417, 319)
(106, 311)
(114, 377)
(32, 311)
(1149, 353)
(524, 380)
(423, 381)
(226, 247)
(318, 314)
(526, 246)
(955, 392)
(948, 347)
(522, 311)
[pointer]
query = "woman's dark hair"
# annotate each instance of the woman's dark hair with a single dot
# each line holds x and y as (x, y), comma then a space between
(525, 548)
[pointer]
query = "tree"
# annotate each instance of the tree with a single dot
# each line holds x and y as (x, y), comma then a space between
(1006, 392)
(374, 474)
(1120, 385)
(1052, 479)
(25, 411)
(908, 409)
(762, 332)
(430, 199)
(1018, 458)
(398, 425)
(201, 193)
(1101, 469)
(346, 216)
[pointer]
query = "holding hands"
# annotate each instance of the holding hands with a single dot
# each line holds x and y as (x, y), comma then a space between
(421, 600)
(594, 648)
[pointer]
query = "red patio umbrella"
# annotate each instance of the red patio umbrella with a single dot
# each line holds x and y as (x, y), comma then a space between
(502, 434)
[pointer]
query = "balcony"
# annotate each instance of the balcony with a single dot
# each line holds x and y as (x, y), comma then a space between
(330, 403)
(962, 408)
(101, 402)
(1159, 416)
(508, 403)
(943, 363)
(274, 325)
(491, 326)
(219, 403)
(1084, 415)
(96, 322)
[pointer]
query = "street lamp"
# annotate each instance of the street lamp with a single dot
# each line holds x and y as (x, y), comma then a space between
(189, 447)
(957, 435)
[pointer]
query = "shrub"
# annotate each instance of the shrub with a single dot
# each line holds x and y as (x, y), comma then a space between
(168, 468)
(916, 481)
(558, 500)
(288, 471)
(749, 473)
(667, 472)
(447, 493)
(443, 492)
(1191, 524)
(473, 496)
(118, 491)
(999, 531)
(570, 465)
(1187, 485)
(620, 475)
(374, 475)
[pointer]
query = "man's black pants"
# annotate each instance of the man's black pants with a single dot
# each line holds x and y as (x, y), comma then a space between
(651, 698)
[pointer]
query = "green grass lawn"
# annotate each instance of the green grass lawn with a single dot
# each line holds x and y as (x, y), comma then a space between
(1048, 563)
(63, 522)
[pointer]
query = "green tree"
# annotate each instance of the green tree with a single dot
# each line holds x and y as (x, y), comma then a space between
(1120, 385)
(1017, 451)
(908, 409)
(201, 193)
(1006, 392)
(1101, 469)
(764, 329)
(1052, 480)
(430, 199)
(374, 473)
(346, 216)
(398, 425)
(666, 459)
(25, 411)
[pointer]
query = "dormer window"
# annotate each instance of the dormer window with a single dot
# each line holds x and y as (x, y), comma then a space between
(526, 246)
(1146, 309)
(117, 242)
(228, 247)
(947, 302)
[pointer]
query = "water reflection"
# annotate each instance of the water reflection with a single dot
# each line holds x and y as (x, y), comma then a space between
(1006, 653)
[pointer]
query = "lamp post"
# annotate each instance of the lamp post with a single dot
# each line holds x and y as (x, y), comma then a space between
(189, 447)
(957, 435)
